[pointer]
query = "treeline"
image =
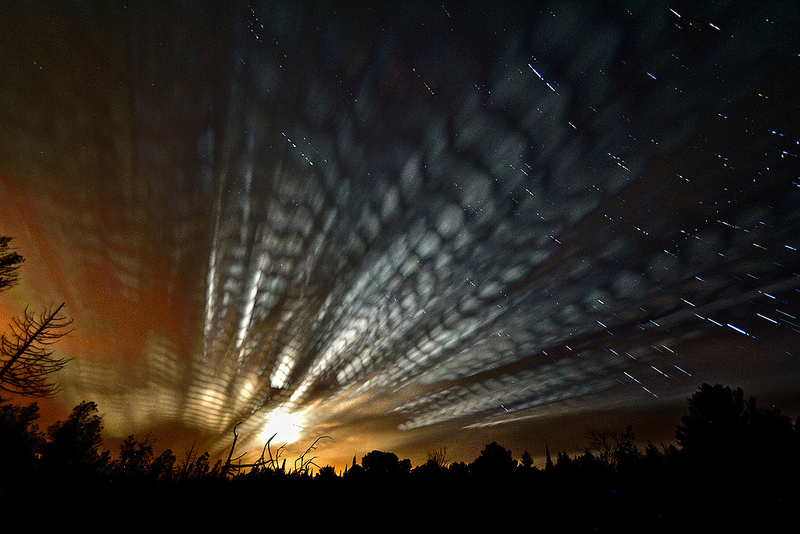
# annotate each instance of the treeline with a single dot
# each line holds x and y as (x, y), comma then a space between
(734, 463)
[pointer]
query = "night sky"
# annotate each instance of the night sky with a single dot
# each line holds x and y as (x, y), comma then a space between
(405, 226)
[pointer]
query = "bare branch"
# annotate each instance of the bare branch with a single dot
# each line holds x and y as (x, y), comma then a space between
(304, 464)
(190, 455)
(439, 457)
(26, 356)
(228, 468)
(301, 464)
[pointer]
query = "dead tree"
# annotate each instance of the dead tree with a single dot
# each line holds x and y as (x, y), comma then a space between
(26, 354)
(228, 468)
(306, 464)
(613, 446)
(438, 458)
(267, 460)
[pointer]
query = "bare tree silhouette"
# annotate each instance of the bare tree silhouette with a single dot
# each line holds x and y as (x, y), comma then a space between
(613, 446)
(26, 354)
(438, 457)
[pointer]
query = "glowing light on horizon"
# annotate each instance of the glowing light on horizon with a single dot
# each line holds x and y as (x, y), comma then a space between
(287, 427)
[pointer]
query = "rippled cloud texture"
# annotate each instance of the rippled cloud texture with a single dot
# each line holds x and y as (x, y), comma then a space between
(325, 218)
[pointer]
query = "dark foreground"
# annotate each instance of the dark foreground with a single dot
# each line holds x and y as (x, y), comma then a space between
(735, 469)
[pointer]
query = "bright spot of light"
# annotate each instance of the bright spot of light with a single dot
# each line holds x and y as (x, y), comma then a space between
(285, 426)
(247, 391)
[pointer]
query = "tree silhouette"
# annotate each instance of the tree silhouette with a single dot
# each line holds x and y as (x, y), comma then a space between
(494, 459)
(194, 466)
(527, 460)
(768, 433)
(26, 354)
(751, 476)
(20, 440)
(9, 264)
(434, 466)
(713, 427)
(563, 462)
(163, 466)
(722, 429)
(135, 457)
(354, 471)
(439, 457)
(74, 445)
(614, 447)
(384, 463)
